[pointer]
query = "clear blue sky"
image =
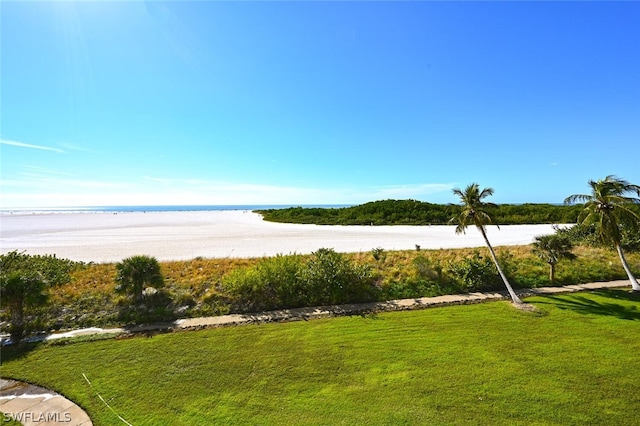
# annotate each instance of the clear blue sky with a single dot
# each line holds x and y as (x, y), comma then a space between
(203, 102)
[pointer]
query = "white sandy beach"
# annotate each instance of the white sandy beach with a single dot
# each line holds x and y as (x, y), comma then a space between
(109, 237)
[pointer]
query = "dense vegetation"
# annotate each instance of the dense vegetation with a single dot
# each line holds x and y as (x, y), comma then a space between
(573, 362)
(412, 212)
(25, 284)
(293, 281)
(202, 287)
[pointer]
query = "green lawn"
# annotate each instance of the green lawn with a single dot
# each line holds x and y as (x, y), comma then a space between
(575, 361)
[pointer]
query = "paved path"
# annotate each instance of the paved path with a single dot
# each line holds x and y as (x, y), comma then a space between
(392, 305)
(329, 311)
(33, 405)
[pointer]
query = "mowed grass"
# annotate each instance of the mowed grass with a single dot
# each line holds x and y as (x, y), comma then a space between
(574, 361)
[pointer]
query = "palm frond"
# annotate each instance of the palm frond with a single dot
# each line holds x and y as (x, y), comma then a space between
(486, 192)
(577, 198)
(472, 205)
(607, 207)
(482, 219)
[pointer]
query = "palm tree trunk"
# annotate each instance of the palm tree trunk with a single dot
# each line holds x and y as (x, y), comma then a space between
(512, 293)
(17, 321)
(634, 283)
(552, 272)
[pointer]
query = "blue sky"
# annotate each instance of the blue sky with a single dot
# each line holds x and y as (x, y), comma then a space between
(162, 103)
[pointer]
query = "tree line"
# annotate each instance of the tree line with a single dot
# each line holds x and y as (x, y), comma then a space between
(413, 212)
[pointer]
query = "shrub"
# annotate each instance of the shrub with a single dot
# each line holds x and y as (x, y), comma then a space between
(409, 289)
(423, 268)
(271, 284)
(212, 304)
(325, 278)
(330, 278)
(476, 273)
(378, 254)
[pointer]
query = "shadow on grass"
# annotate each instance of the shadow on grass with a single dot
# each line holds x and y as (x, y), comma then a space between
(579, 303)
(13, 352)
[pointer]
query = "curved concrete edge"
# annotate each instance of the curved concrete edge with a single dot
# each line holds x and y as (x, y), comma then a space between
(33, 405)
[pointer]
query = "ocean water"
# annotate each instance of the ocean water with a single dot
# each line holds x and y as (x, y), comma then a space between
(191, 208)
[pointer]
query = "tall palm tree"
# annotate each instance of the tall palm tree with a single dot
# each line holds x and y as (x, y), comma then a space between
(473, 214)
(608, 208)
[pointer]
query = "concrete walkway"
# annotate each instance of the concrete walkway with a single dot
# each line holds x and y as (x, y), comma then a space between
(33, 405)
(392, 305)
(335, 310)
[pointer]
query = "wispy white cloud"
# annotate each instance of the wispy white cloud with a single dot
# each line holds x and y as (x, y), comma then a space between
(68, 146)
(36, 182)
(37, 179)
(37, 171)
(39, 187)
(29, 146)
(176, 181)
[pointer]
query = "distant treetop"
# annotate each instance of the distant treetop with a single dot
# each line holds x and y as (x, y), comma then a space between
(413, 212)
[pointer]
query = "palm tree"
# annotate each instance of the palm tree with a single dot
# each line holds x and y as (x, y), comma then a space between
(137, 272)
(19, 292)
(608, 207)
(25, 281)
(552, 248)
(473, 214)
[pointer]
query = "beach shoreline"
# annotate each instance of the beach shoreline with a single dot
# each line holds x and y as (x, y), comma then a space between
(105, 237)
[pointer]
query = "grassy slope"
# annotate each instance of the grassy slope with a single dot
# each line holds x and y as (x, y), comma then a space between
(574, 362)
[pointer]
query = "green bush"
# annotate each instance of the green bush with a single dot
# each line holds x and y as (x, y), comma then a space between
(330, 278)
(476, 273)
(424, 268)
(411, 289)
(279, 282)
(212, 304)
(273, 283)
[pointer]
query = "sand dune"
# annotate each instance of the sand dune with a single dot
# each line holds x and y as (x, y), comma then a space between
(108, 237)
